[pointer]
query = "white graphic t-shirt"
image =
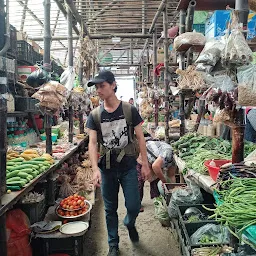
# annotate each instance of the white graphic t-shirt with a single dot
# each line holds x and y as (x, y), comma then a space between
(114, 127)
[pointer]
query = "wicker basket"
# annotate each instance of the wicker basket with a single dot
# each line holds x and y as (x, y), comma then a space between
(252, 5)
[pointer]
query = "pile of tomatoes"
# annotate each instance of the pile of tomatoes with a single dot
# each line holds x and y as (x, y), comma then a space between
(72, 206)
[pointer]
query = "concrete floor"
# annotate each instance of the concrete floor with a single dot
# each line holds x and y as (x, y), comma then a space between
(155, 240)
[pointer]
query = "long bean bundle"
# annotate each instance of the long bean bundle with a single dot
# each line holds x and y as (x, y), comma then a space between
(238, 206)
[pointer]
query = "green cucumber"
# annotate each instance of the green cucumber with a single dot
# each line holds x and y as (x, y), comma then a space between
(36, 162)
(13, 188)
(14, 179)
(15, 183)
(19, 159)
(24, 166)
(23, 175)
(30, 176)
(41, 159)
(12, 174)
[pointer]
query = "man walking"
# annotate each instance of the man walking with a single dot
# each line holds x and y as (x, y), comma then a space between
(112, 125)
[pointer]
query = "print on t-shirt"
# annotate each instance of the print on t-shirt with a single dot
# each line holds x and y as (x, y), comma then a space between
(115, 134)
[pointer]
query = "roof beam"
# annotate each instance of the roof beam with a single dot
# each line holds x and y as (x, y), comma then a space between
(103, 10)
(77, 16)
(64, 12)
(23, 16)
(97, 36)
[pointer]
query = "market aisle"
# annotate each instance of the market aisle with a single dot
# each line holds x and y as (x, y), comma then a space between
(154, 239)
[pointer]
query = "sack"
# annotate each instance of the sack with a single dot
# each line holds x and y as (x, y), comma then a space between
(246, 77)
(17, 225)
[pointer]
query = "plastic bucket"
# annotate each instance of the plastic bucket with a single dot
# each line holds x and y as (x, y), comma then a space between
(214, 171)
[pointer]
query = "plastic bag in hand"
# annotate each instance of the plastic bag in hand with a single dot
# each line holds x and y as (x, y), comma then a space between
(68, 78)
(218, 233)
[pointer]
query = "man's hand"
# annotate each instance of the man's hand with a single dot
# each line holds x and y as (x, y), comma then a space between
(145, 172)
(96, 177)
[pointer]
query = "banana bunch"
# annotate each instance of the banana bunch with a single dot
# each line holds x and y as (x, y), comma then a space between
(80, 136)
(12, 155)
(48, 158)
(29, 154)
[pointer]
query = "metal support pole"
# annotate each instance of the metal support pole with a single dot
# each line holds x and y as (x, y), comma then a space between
(131, 49)
(80, 114)
(143, 17)
(182, 113)
(3, 149)
(71, 64)
(155, 80)
(182, 66)
(189, 27)
(47, 61)
(166, 82)
(148, 66)
(238, 131)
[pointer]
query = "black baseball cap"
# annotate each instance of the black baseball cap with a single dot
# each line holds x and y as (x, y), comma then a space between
(103, 76)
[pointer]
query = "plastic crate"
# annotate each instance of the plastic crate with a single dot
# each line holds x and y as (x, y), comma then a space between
(25, 104)
(73, 246)
(37, 57)
(191, 228)
(199, 28)
(183, 208)
(24, 51)
(34, 211)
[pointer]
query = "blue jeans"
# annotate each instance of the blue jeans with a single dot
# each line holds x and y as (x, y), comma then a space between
(111, 181)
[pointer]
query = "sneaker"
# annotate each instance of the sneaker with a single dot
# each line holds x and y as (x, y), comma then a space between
(133, 234)
(113, 251)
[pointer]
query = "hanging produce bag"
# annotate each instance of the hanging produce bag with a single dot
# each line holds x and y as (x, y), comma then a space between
(210, 233)
(211, 52)
(68, 78)
(38, 77)
(246, 77)
(184, 41)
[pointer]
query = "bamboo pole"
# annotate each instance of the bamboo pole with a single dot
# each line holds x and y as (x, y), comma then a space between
(166, 82)
(155, 80)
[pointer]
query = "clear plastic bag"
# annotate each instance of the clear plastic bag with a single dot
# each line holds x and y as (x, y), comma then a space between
(211, 52)
(182, 196)
(189, 38)
(246, 77)
(215, 234)
(68, 78)
(224, 83)
(161, 211)
(236, 51)
(204, 68)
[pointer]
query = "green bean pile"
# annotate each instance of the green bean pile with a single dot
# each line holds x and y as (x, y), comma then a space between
(238, 206)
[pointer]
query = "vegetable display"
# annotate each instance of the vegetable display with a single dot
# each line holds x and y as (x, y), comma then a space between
(20, 172)
(237, 204)
(195, 149)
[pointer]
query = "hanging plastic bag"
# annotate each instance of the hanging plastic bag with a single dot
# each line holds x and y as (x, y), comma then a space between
(246, 77)
(211, 52)
(236, 51)
(182, 196)
(161, 212)
(68, 78)
(188, 39)
(38, 77)
(210, 233)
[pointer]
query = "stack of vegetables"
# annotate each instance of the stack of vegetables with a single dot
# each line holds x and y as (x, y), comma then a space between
(237, 205)
(195, 149)
(20, 171)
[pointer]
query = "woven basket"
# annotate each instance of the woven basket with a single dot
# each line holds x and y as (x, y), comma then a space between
(252, 5)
